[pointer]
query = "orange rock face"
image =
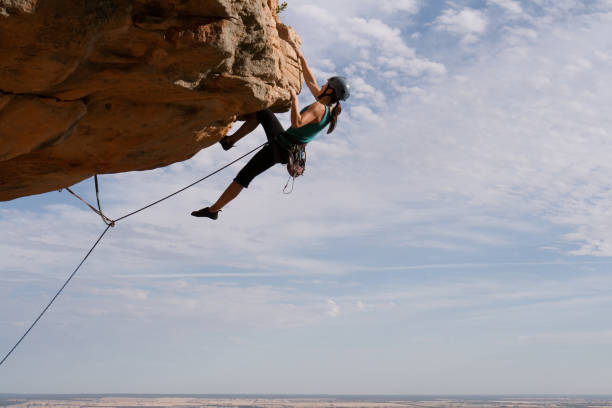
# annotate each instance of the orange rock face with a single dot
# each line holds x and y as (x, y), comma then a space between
(105, 86)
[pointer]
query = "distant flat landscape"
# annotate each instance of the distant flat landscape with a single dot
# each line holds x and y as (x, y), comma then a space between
(107, 401)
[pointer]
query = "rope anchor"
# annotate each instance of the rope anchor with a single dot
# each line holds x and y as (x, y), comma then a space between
(109, 222)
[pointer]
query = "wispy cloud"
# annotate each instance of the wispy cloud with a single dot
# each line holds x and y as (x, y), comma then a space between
(584, 338)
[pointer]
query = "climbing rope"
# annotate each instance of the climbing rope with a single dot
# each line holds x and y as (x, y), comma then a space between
(192, 184)
(111, 223)
(56, 295)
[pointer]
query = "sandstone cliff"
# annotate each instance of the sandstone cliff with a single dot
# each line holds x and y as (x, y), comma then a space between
(104, 86)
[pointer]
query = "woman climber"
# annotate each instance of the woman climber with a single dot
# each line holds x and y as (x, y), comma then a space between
(305, 125)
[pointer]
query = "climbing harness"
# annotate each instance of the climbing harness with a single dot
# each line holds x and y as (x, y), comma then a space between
(111, 223)
(297, 160)
(296, 165)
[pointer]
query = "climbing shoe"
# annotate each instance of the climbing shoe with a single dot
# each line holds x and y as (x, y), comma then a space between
(225, 143)
(205, 212)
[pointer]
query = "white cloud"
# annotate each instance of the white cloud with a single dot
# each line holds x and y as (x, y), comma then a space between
(127, 293)
(333, 309)
(364, 113)
(388, 44)
(512, 6)
(369, 45)
(468, 22)
(365, 8)
(317, 13)
(408, 6)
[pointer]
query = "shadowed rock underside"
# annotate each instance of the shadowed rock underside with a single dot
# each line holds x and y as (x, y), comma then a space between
(106, 86)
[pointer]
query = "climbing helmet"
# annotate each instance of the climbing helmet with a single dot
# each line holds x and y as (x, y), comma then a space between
(340, 86)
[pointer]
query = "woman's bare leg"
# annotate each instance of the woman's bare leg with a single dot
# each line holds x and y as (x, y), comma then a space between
(228, 195)
(247, 127)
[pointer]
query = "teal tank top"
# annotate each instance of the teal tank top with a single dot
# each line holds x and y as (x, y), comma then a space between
(308, 132)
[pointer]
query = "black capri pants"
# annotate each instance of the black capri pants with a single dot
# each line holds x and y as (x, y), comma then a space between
(269, 155)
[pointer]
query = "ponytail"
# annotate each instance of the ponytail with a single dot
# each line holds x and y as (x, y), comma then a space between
(334, 117)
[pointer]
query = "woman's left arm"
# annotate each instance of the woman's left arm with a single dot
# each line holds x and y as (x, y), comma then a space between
(298, 120)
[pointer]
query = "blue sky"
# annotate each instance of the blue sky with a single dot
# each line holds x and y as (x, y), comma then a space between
(451, 236)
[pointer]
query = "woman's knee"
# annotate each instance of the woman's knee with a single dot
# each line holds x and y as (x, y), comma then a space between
(262, 161)
(243, 180)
